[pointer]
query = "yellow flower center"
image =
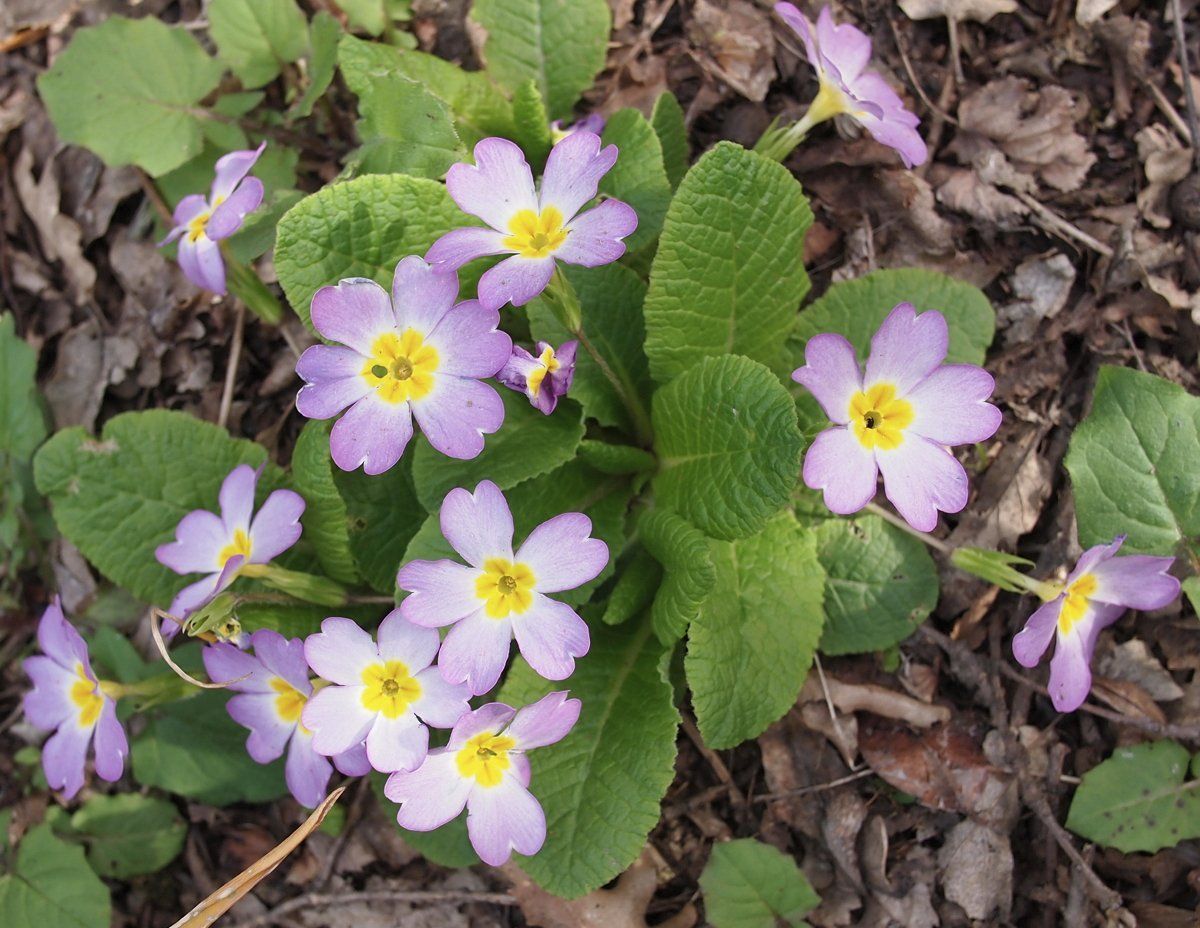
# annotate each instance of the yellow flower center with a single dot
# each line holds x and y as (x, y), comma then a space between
(1075, 602)
(485, 757)
(878, 417)
(195, 226)
(401, 367)
(831, 101)
(504, 587)
(535, 235)
(390, 688)
(290, 701)
(239, 546)
(548, 364)
(86, 696)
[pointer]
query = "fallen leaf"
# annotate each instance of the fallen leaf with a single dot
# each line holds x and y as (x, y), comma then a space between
(979, 11)
(1165, 162)
(1042, 286)
(1133, 662)
(977, 871)
(60, 236)
(76, 385)
(735, 42)
(1090, 11)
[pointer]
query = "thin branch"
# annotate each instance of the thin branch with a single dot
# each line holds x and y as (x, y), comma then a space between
(416, 897)
(1188, 93)
(235, 355)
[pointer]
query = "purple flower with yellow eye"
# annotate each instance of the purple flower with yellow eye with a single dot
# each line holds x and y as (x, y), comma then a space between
(1097, 593)
(543, 378)
(536, 227)
(272, 688)
(235, 543)
(592, 122)
(68, 700)
(484, 769)
(416, 355)
(896, 418)
(840, 55)
(201, 223)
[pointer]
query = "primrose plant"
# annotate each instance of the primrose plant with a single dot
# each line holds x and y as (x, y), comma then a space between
(544, 401)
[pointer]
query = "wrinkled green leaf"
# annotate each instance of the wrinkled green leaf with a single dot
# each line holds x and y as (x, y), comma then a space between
(667, 120)
(532, 124)
(324, 32)
(129, 834)
(749, 884)
(50, 884)
(616, 459)
(384, 515)
(326, 522)
(638, 178)
(256, 38)
(634, 590)
(687, 567)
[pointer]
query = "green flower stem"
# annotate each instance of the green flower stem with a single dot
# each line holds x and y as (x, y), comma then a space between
(307, 587)
(888, 516)
(777, 143)
(246, 285)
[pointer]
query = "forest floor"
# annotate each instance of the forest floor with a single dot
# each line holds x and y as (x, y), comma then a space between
(1060, 181)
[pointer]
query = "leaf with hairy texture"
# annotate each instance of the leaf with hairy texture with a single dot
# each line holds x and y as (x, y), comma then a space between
(749, 884)
(669, 126)
(687, 567)
(384, 514)
(256, 38)
(129, 834)
(51, 886)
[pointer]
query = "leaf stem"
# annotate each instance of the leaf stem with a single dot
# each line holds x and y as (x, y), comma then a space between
(936, 543)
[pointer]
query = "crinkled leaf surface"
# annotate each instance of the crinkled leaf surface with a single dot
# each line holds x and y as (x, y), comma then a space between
(384, 514)
(751, 645)
(729, 274)
(532, 124)
(601, 785)
(322, 61)
(51, 886)
(638, 178)
(326, 522)
(688, 574)
(728, 446)
(668, 122)
(749, 884)
(129, 834)
(1133, 464)
(129, 89)
(256, 38)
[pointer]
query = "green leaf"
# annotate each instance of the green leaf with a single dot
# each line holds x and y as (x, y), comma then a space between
(129, 834)
(256, 38)
(1132, 463)
(634, 589)
(194, 749)
(257, 235)
(880, 584)
(297, 620)
(728, 446)
(116, 656)
(1191, 589)
(1138, 799)
(384, 516)
(668, 122)
(750, 647)
(616, 459)
(687, 569)
(119, 497)
(532, 124)
(856, 308)
(22, 429)
(601, 785)
(276, 168)
(611, 297)
(324, 32)
(714, 289)
(748, 884)
(560, 44)
(52, 885)
(528, 444)
(638, 177)
(362, 228)
(248, 287)
(326, 522)
(129, 90)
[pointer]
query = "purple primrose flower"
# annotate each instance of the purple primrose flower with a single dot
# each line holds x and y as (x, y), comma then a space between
(416, 355)
(1097, 593)
(897, 417)
(592, 122)
(273, 689)
(501, 595)
(68, 700)
(484, 768)
(536, 228)
(840, 55)
(237, 542)
(384, 694)
(543, 379)
(201, 223)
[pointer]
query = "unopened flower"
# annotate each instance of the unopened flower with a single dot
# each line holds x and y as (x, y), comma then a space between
(592, 122)
(416, 355)
(201, 223)
(502, 595)
(537, 228)
(384, 694)
(68, 700)
(1097, 593)
(484, 768)
(897, 417)
(840, 55)
(543, 378)
(273, 689)
(234, 543)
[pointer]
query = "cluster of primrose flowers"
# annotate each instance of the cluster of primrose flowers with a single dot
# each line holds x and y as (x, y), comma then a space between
(342, 698)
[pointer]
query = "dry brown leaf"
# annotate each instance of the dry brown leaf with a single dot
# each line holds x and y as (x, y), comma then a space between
(878, 700)
(977, 870)
(60, 236)
(1166, 162)
(1090, 11)
(966, 192)
(736, 43)
(979, 11)
(1127, 698)
(1133, 662)
(1041, 286)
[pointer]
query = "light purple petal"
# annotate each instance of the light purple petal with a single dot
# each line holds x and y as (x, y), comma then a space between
(561, 553)
(457, 414)
(354, 762)
(229, 216)
(195, 595)
(440, 704)
(1031, 642)
(837, 464)
(48, 704)
(515, 280)
(460, 246)
(476, 652)
(283, 657)
(550, 635)
(1070, 672)
(354, 313)
(401, 640)
(64, 756)
(468, 343)
(516, 370)
(921, 478)
(429, 796)
(478, 525)
(831, 374)
(951, 408)
(338, 719)
(112, 745)
(504, 818)
(844, 46)
(491, 717)
(372, 434)
(200, 537)
(231, 168)
(595, 237)
(276, 527)
(441, 592)
(340, 651)
(188, 209)
(544, 722)
(896, 134)
(1094, 556)
(333, 380)
(422, 295)
(59, 641)
(237, 498)
(269, 733)
(573, 172)
(306, 772)
(803, 28)
(1136, 582)
(202, 263)
(907, 348)
(497, 186)
(397, 744)
(225, 663)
